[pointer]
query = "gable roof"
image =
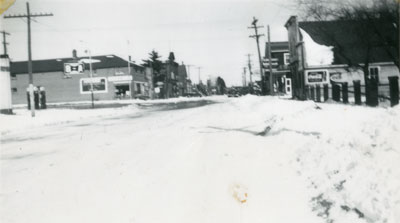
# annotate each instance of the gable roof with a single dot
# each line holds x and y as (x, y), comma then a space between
(54, 65)
(348, 39)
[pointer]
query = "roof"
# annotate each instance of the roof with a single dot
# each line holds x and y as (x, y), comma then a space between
(277, 47)
(54, 65)
(349, 39)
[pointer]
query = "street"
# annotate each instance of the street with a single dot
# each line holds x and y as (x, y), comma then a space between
(249, 159)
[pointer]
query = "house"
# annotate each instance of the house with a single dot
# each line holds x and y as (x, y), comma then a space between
(69, 79)
(327, 52)
(280, 66)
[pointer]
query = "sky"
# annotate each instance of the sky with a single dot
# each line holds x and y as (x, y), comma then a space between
(212, 35)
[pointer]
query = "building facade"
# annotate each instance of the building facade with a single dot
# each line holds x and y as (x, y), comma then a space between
(316, 58)
(280, 61)
(69, 79)
(174, 83)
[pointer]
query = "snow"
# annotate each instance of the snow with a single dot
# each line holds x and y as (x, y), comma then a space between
(316, 54)
(247, 159)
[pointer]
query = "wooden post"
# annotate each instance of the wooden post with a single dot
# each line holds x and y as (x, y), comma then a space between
(373, 92)
(394, 90)
(357, 92)
(345, 92)
(326, 92)
(312, 89)
(336, 92)
(318, 89)
(307, 92)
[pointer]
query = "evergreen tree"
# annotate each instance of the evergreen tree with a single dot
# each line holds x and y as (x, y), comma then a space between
(156, 64)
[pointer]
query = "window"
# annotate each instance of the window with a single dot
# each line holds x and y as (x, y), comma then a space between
(14, 90)
(286, 58)
(13, 77)
(99, 85)
(374, 73)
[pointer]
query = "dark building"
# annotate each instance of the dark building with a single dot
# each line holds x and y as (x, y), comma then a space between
(346, 49)
(174, 84)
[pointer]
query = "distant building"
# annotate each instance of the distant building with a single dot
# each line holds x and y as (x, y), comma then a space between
(280, 58)
(314, 58)
(68, 79)
(175, 75)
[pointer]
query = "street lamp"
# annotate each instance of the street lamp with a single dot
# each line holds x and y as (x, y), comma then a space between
(91, 75)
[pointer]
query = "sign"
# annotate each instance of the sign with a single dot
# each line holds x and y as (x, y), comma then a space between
(120, 78)
(99, 85)
(317, 77)
(73, 68)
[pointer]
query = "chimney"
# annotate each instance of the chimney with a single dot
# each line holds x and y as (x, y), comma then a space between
(74, 54)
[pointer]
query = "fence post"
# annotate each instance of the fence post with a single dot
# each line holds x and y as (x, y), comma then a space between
(394, 90)
(307, 92)
(345, 92)
(312, 89)
(336, 92)
(373, 92)
(326, 92)
(357, 92)
(318, 89)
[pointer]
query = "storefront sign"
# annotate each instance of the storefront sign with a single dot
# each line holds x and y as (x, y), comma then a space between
(99, 85)
(317, 77)
(73, 68)
(120, 78)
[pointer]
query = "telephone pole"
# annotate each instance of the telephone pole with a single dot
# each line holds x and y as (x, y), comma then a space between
(5, 41)
(257, 37)
(271, 85)
(28, 15)
(188, 69)
(249, 66)
(244, 77)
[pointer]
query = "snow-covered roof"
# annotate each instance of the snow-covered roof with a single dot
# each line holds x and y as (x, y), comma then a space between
(316, 54)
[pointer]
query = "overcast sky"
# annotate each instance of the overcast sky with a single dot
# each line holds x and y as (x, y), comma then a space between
(209, 34)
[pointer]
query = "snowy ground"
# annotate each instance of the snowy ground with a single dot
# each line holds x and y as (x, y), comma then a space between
(249, 159)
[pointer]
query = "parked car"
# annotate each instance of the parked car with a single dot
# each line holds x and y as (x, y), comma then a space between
(192, 94)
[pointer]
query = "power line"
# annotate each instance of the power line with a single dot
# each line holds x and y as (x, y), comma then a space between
(29, 15)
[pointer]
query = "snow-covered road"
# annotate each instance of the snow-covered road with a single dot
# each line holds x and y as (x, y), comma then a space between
(250, 159)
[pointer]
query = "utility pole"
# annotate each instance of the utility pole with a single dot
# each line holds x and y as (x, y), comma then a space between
(251, 73)
(244, 77)
(271, 85)
(188, 68)
(257, 37)
(5, 41)
(29, 16)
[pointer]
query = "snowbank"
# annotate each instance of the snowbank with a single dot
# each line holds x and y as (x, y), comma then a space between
(316, 54)
(249, 159)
